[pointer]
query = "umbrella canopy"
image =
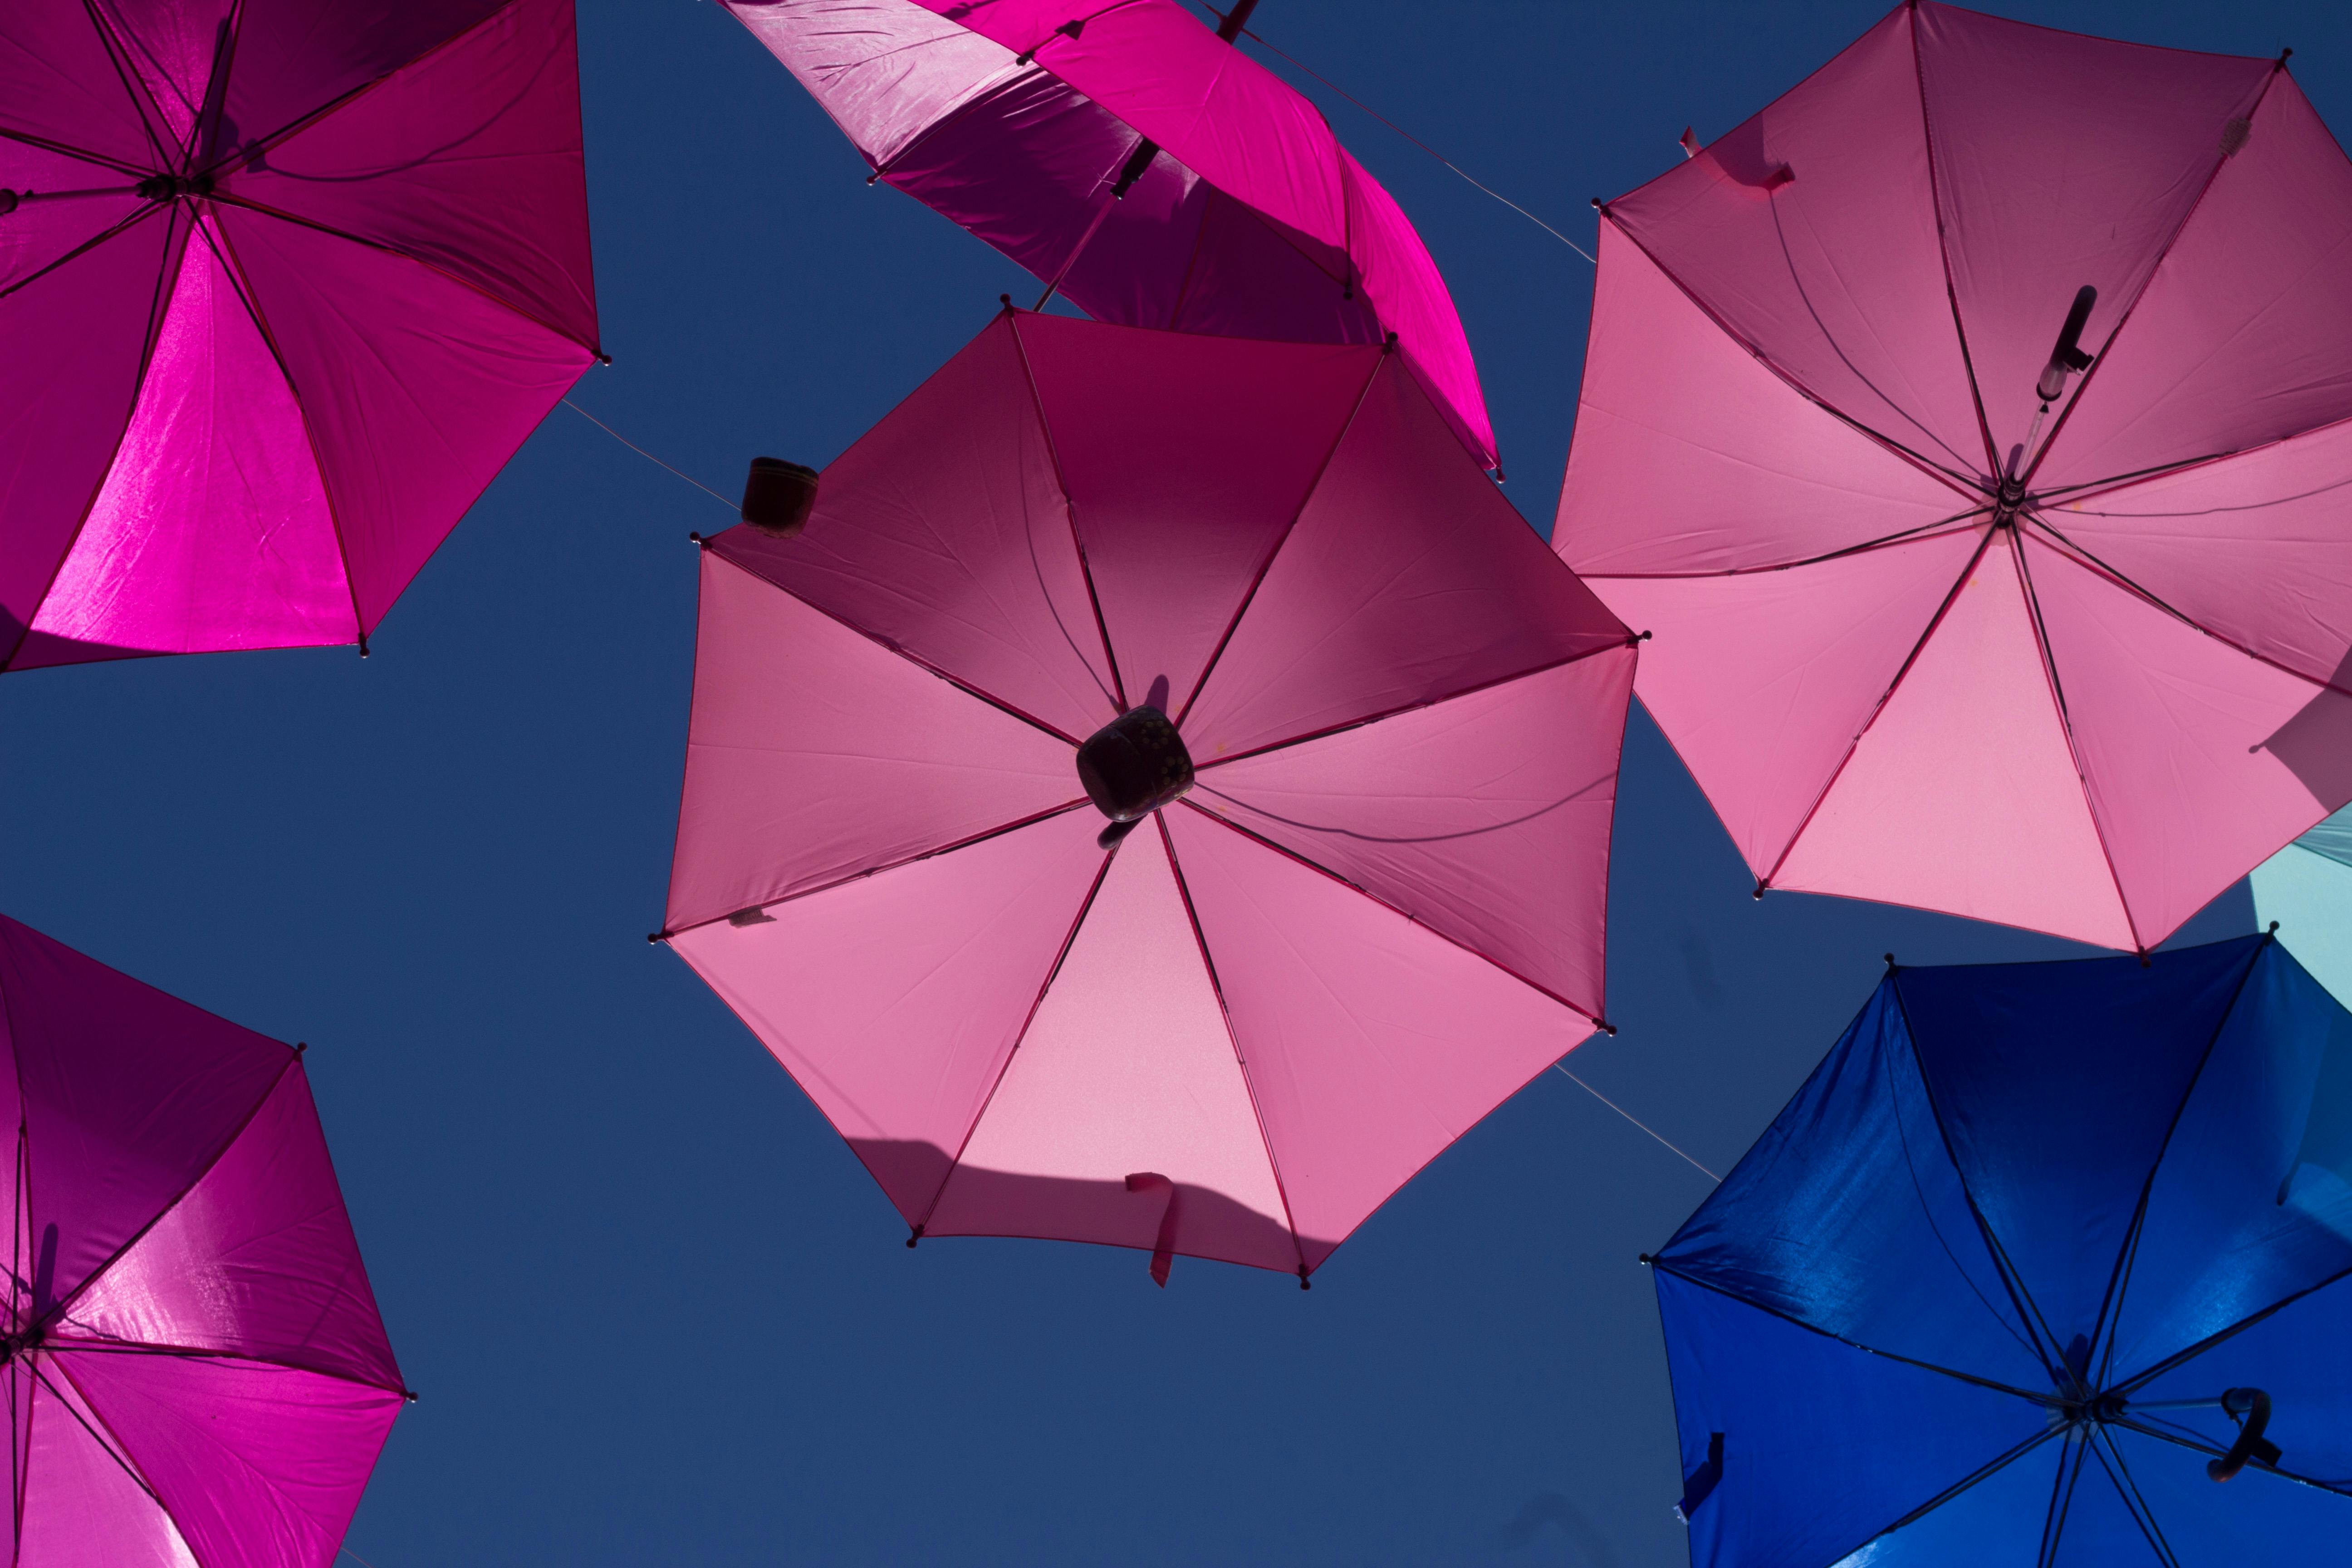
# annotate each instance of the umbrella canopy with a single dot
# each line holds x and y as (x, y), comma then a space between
(1252, 600)
(2306, 890)
(2032, 1248)
(1971, 427)
(1138, 162)
(283, 284)
(193, 1365)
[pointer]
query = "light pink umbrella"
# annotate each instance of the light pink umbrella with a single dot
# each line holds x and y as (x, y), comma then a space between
(1970, 427)
(1267, 571)
(191, 1361)
(1138, 162)
(283, 283)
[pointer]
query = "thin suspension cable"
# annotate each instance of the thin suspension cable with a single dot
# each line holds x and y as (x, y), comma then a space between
(1562, 1069)
(354, 1556)
(1416, 140)
(648, 457)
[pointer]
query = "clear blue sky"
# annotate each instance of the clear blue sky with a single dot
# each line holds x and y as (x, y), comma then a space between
(656, 1310)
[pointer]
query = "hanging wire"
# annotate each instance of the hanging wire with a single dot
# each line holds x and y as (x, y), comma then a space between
(1562, 1069)
(1416, 140)
(648, 457)
(355, 1557)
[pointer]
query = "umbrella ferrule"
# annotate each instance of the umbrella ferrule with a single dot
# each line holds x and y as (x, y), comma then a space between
(172, 187)
(1135, 764)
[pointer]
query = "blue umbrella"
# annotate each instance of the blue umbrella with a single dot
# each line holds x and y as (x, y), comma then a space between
(2045, 1264)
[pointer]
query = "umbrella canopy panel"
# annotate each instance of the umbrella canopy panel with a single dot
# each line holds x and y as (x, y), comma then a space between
(1144, 167)
(282, 285)
(2306, 890)
(192, 1363)
(1980, 1292)
(1950, 612)
(1236, 1030)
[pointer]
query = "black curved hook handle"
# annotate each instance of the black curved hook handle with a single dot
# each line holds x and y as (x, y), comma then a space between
(2254, 1406)
(2068, 356)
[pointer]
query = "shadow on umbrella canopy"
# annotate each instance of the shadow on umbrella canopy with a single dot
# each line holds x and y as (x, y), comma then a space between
(1160, 795)
(2044, 1263)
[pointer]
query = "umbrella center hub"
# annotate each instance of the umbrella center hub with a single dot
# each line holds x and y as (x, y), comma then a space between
(2009, 499)
(172, 187)
(1135, 764)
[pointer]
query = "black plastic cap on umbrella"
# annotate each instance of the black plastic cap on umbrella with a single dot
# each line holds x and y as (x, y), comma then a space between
(1132, 766)
(777, 497)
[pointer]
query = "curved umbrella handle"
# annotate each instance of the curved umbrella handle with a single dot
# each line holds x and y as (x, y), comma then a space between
(2254, 1406)
(1163, 1246)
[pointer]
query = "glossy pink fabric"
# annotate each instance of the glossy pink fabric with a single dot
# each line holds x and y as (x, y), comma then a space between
(1815, 346)
(1379, 912)
(194, 1367)
(245, 416)
(1252, 220)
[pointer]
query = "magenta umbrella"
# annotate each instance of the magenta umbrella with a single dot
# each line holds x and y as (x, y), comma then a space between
(283, 284)
(1161, 799)
(1135, 161)
(1971, 427)
(193, 1368)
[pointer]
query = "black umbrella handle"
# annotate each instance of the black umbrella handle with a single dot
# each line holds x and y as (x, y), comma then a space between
(2253, 1407)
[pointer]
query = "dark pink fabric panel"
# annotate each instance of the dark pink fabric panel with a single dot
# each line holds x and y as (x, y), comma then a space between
(2253, 548)
(130, 1095)
(73, 342)
(1408, 579)
(1486, 818)
(468, 160)
(170, 47)
(1834, 275)
(1186, 461)
(814, 754)
(58, 81)
(943, 530)
(886, 70)
(1692, 457)
(296, 56)
(1370, 1042)
(81, 1504)
(2202, 763)
(260, 1465)
(1250, 277)
(1763, 679)
(895, 1000)
(212, 531)
(416, 388)
(2061, 160)
(2241, 336)
(1128, 1069)
(258, 1259)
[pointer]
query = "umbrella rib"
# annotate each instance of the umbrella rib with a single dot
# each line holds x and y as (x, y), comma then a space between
(2020, 1299)
(2062, 1497)
(87, 246)
(1925, 530)
(2103, 1445)
(140, 101)
(1967, 485)
(114, 1448)
(1415, 706)
(2119, 1278)
(67, 149)
(842, 881)
(1985, 1471)
(195, 1353)
(2170, 1434)
(1306, 496)
(2048, 661)
(1588, 1014)
(250, 297)
(1943, 249)
(1069, 940)
(1991, 1384)
(2178, 1358)
(1070, 506)
(1209, 963)
(2083, 386)
(1862, 729)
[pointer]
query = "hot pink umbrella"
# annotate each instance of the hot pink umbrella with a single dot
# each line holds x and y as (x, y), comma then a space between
(1085, 563)
(191, 1359)
(1138, 162)
(283, 283)
(1969, 426)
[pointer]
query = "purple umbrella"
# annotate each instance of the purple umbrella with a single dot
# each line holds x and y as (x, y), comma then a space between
(192, 1363)
(283, 284)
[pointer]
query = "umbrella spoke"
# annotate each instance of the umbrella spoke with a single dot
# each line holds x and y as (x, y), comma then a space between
(2111, 1459)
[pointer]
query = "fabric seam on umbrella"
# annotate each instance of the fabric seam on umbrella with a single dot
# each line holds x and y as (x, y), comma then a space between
(1234, 1040)
(120, 225)
(1070, 506)
(2102, 1444)
(1958, 522)
(109, 1442)
(65, 150)
(2062, 1495)
(1943, 247)
(141, 101)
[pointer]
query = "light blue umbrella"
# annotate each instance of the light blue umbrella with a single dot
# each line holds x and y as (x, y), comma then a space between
(2307, 889)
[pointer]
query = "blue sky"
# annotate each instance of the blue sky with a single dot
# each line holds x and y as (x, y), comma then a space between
(657, 1311)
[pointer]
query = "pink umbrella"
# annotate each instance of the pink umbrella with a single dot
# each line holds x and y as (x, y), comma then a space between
(1969, 426)
(283, 283)
(1137, 162)
(192, 1361)
(1250, 599)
